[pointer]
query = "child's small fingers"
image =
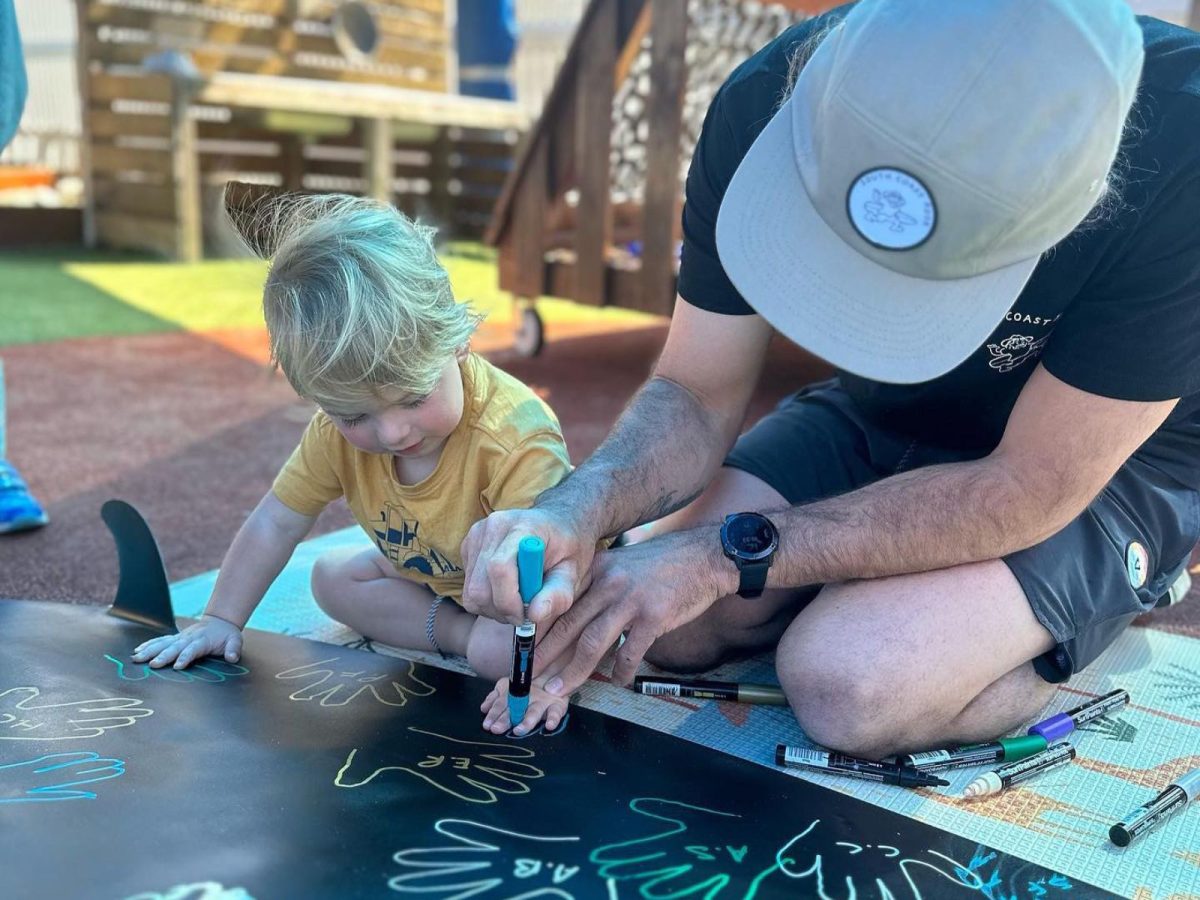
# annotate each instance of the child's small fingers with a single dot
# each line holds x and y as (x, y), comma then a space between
(553, 717)
(533, 715)
(148, 648)
(497, 720)
(489, 701)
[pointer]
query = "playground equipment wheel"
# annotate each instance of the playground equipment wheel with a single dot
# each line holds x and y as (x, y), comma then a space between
(530, 335)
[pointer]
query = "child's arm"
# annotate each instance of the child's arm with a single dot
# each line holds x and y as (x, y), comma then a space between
(259, 551)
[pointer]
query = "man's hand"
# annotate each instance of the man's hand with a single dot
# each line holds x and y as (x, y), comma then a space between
(643, 591)
(489, 555)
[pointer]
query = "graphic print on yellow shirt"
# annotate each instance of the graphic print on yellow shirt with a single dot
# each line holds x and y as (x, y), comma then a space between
(507, 449)
(398, 539)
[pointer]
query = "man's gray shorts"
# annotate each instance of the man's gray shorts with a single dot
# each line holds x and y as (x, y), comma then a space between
(817, 444)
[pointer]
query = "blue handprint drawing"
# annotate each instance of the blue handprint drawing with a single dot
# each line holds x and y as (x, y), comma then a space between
(56, 776)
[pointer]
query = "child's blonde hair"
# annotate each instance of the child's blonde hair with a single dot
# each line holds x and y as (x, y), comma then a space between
(356, 300)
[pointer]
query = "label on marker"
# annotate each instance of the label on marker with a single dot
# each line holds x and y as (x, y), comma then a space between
(800, 756)
(658, 689)
(920, 760)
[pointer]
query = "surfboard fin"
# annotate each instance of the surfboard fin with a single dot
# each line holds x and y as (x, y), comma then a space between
(143, 595)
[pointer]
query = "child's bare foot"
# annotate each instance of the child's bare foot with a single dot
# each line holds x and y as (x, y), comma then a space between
(542, 705)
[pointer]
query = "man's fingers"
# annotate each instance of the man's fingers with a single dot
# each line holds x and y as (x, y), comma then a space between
(557, 593)
(563, 633)
(502, 576)
(594, 641)
(630, 654)
(477, 591)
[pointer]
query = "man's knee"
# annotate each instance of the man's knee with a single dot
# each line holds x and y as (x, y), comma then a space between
(837, 699)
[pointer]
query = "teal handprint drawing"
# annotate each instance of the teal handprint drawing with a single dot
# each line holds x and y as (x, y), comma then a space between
(690, 851)
(209, 669)
(56, 776)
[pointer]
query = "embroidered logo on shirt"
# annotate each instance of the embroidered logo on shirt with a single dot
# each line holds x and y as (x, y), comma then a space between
(891, 209)
(398, 540)
(1015, 350)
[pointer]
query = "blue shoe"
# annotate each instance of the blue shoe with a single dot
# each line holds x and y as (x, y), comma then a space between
(18, 510)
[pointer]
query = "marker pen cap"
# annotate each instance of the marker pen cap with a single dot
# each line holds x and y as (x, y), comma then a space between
(1189, 784)
(530, 559)
(1020, 747)
(1054, 728)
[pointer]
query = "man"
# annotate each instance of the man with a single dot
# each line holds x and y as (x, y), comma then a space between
(1003, 475)
(18, 509)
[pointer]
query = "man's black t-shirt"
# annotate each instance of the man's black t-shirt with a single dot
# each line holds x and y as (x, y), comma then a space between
(1113, 309)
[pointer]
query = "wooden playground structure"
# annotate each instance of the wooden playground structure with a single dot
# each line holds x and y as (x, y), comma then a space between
(591, 209)
(179, 97)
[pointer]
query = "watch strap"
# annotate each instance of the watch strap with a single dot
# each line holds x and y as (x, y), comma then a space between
(753, 578)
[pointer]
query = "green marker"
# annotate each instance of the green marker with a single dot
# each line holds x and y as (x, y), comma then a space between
(1003, 750)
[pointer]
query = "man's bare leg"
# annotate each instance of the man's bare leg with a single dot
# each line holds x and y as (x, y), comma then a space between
(873, 667)
(915, 661)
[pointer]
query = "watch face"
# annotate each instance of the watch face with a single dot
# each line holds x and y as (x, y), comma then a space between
(751, 536)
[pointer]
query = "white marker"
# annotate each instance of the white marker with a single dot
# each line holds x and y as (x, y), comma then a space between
(1006, 776)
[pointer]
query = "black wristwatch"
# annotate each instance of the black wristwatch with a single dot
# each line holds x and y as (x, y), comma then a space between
(750, 539)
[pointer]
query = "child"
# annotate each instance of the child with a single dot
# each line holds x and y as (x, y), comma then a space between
(421, 437)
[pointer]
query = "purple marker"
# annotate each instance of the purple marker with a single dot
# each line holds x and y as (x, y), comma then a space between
(1060, 725)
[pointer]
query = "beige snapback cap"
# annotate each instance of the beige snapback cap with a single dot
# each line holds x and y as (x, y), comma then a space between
(931, 151)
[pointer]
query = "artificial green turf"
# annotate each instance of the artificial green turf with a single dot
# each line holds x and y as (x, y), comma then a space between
(53, 295)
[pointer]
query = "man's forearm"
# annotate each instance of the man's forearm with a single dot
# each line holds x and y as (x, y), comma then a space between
(918, 521)
(659, 456)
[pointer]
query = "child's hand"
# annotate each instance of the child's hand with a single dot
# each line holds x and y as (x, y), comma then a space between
(208, 637)
(541, 704)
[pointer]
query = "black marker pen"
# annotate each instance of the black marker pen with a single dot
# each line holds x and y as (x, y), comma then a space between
(1174, 798)
(840, 764)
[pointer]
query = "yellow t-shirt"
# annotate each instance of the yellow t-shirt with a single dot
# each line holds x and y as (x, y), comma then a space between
(507, 449)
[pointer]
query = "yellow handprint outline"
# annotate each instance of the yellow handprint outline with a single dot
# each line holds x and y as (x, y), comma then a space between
(361, 682)
(507, 775)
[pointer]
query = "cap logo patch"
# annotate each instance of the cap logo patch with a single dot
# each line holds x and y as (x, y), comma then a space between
(891, 209)
(1137, 564)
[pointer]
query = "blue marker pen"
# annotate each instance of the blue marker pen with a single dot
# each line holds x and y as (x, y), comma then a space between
(530, 560)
